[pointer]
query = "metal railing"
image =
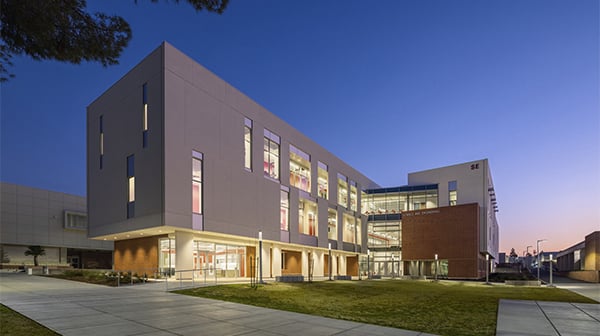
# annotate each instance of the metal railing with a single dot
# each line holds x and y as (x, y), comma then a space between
(191, 278)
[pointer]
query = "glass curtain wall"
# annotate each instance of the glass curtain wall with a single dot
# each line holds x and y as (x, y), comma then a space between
(396, 202)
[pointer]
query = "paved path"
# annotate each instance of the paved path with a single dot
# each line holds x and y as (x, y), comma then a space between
(74, 308)
(591, 290)
(533, 318)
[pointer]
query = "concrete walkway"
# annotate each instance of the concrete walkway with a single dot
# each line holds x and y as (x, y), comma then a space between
(532, 318)
(74, 308)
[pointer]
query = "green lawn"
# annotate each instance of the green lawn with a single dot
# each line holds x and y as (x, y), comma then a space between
(443, 308)
(15, 324)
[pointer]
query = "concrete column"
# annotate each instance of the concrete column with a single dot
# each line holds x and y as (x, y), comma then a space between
(184, 251)
(343, 265)
(266, 260)
(276, 261)
(305, 263)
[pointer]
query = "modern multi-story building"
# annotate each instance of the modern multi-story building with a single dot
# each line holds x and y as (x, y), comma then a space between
(53, 220)
(185, 172)
(443, 221)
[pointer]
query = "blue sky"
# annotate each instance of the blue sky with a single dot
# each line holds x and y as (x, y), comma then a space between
(390, 87)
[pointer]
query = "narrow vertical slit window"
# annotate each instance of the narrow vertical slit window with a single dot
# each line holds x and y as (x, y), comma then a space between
(130, 186)
(197, 160)
(101, 126)
(145, 116)
(248, 144)
(285, 209)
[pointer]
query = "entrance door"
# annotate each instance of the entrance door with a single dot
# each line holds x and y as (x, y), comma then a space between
(73, 261)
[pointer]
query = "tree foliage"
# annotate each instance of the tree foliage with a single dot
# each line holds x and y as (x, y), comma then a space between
(513, 256)
(35, 251)
(62, 30)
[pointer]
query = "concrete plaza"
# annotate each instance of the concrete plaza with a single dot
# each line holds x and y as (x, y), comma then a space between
(74, 308)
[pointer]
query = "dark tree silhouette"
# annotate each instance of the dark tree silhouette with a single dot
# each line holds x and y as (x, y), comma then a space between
(35, 251)
(62, 30)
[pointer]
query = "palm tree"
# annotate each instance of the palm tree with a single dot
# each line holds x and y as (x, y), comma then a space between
(35, 251)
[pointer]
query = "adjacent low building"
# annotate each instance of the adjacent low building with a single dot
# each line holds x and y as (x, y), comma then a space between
(186, 172)
(53, 220)
(582, 260)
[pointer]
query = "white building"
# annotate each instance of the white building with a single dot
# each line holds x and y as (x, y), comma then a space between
(54, 220)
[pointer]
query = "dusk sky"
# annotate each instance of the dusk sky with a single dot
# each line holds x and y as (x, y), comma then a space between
(390, 87)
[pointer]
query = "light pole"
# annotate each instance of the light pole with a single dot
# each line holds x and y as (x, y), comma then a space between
(260, 279)
(487, 266)
(330, 261)
(538, 258)
(436, 266)
(392, 265)
(551, 285)
(368, 264)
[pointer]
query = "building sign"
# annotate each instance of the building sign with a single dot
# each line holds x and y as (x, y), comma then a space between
(420, 213)
(475, 166)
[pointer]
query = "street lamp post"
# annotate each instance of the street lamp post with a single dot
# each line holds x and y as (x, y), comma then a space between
(538, 258)
(551, 285)
(487, 266)
(260, 266)
(330, 261)
(392, 265)
(436, 266)
(368, 264)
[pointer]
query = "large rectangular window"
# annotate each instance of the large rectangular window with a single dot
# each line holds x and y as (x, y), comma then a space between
(307, 217)
(353, 196)
(299, 169)
(271, 155)
(349, 234)
(145, 115)
(101, 126)
(284, 216)
(248, 144)
(197, 182)
(332, 224)
(452, 195)
(130, 186)
(342, 190)
(323, 180)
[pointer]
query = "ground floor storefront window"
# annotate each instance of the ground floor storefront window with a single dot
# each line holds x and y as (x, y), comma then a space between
(220, 260)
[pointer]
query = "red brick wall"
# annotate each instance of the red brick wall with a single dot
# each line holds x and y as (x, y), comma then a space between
(451, 232)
